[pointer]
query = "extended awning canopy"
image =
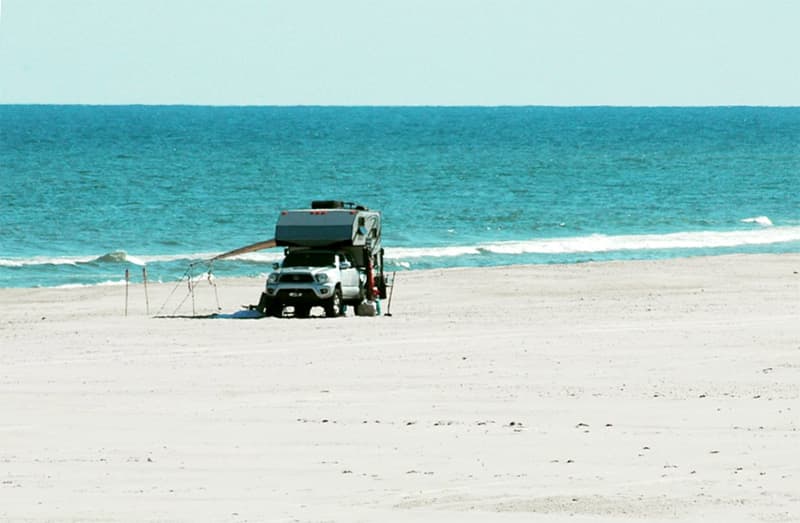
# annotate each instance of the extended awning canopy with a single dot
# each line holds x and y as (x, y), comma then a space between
(247, 248)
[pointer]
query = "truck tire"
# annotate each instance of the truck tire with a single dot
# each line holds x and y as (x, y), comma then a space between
(334, 307)
(302, 311)
(263, 303)
(274, 309)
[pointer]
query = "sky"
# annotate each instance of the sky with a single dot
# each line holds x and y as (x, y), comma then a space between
(400, 52)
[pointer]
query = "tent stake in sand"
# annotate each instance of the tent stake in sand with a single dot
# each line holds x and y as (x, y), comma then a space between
(146, 296)
(191, 287)
(127, 281)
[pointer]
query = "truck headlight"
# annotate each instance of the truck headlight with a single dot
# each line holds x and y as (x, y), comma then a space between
(321, 277)
(273, 277)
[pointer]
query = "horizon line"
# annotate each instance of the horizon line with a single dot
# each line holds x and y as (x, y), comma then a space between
(402, 106)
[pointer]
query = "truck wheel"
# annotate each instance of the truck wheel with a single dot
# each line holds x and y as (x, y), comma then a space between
(275, 309)
(302, 311)
(263, 303)
(334, 306)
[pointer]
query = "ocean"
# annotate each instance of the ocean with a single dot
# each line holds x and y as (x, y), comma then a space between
(87, 192)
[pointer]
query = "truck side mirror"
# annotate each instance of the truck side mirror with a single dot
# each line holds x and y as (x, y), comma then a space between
(276, 266)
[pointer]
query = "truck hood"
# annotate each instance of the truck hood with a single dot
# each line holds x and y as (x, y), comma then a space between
(297, 270)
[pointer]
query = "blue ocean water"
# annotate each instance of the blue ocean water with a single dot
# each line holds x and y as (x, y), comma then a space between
(88, 191)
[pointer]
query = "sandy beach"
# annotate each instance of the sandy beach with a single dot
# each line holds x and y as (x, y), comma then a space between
(621, 391)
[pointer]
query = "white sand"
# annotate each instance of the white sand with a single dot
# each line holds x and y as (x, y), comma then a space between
(631, 391)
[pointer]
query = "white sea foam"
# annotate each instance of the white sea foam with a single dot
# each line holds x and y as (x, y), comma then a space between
(45, 260)
(166, 258)
(401, 255)
(110, 257)
(434, 252)
(109, 283)
(135, 260)
(760, 220)
(204, 277)
(605, 243)
(259, 257)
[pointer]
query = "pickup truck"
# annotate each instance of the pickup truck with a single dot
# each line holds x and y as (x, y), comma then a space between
(313, 277)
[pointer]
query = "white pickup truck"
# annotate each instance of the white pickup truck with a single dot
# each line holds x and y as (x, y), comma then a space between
(312, 277)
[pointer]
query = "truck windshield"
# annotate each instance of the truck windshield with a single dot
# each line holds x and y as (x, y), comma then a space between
(309, 259)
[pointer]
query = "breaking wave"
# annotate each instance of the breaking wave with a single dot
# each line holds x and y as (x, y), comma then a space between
(106, 269)
(109, 283)
(600, 243)
(593, 243)
(114, 257)
(764, 221)
(118, 257)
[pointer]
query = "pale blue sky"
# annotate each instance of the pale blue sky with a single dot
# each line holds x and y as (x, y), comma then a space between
(409, 52)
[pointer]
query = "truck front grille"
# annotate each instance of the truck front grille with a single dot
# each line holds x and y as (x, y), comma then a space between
(297, 278)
